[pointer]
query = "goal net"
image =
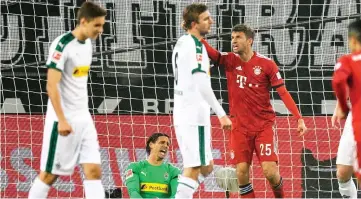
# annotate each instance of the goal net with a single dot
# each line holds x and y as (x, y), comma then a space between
(131, 79)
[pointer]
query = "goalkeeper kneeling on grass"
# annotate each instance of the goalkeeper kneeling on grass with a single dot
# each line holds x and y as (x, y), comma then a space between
(153, 178)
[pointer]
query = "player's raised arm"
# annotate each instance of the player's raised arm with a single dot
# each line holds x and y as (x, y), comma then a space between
(339, 84)
(277, 83)
(220, 58)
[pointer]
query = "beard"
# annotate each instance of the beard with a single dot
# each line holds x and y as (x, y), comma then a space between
(203, 31)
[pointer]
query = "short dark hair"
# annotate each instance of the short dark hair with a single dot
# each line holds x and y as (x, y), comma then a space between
(354, 30)
(191, 14)
(153, 139)
(89, 11)
(248, 31)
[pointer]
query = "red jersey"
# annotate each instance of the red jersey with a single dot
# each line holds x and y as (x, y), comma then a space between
(248, 87)
(348, 74)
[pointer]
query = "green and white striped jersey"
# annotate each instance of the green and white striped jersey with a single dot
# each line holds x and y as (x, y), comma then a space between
(189, 56)
(73, 58)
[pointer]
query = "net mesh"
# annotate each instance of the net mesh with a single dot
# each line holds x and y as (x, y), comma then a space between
(131, 80)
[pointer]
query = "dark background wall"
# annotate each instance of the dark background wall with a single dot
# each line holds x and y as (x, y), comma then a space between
(140, 81)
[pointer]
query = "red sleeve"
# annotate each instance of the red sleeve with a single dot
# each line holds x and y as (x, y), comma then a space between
(274, 75)
(339, 82)
(220, 58)
(288, 101)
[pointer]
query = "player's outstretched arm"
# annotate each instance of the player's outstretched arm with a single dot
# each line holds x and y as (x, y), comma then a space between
(219, 58)
(53, 80)
(212, 53)
(132, 181)
(291, 106)
(288, 101)
(277, 82)
(205, 88)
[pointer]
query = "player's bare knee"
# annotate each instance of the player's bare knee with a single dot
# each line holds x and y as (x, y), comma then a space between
(344, 173)
(270, 171)
(209, 169)
(242, 172)
(92, 171)
(206, 170)
(270, 174)
(47, 178)
(192, 172)
(242, 175)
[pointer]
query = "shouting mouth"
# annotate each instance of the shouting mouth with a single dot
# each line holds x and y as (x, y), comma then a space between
(163, 152)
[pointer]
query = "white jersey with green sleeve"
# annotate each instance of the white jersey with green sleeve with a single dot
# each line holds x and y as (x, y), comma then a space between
(72, 58)
(189, 57)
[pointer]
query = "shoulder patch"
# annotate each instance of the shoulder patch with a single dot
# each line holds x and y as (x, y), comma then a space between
(356, 57)
(56, 56)
(128, 174)
(337, 66)
(278, 75)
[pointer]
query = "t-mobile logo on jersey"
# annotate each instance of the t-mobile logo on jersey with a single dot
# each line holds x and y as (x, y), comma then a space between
(241, 80)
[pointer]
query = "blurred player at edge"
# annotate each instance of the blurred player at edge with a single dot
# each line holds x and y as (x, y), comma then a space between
(345, 157)
(193, 98)
(347, 82)
(249, 78)
(69, 135)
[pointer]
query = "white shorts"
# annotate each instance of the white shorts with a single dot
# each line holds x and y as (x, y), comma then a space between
(60, 154)
(195, 145)
(346, 147)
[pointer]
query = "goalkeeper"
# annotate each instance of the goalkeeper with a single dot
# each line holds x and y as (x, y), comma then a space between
(153, 178)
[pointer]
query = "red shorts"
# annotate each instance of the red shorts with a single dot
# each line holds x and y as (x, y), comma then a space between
(242, 144)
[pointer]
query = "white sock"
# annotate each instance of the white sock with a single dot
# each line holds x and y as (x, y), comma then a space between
(94, 189)
(39, 190)
(186, 187)
(347, 189)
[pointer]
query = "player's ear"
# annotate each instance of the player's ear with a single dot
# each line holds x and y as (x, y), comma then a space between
(250, 41)
(193, 24)
(151, 145)
(83, 21)
(351, 42)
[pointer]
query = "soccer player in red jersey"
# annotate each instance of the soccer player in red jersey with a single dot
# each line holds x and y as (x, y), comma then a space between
(347, 76)
(249, 78)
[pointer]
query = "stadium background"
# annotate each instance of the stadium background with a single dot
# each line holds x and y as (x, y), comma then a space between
(131, 80)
